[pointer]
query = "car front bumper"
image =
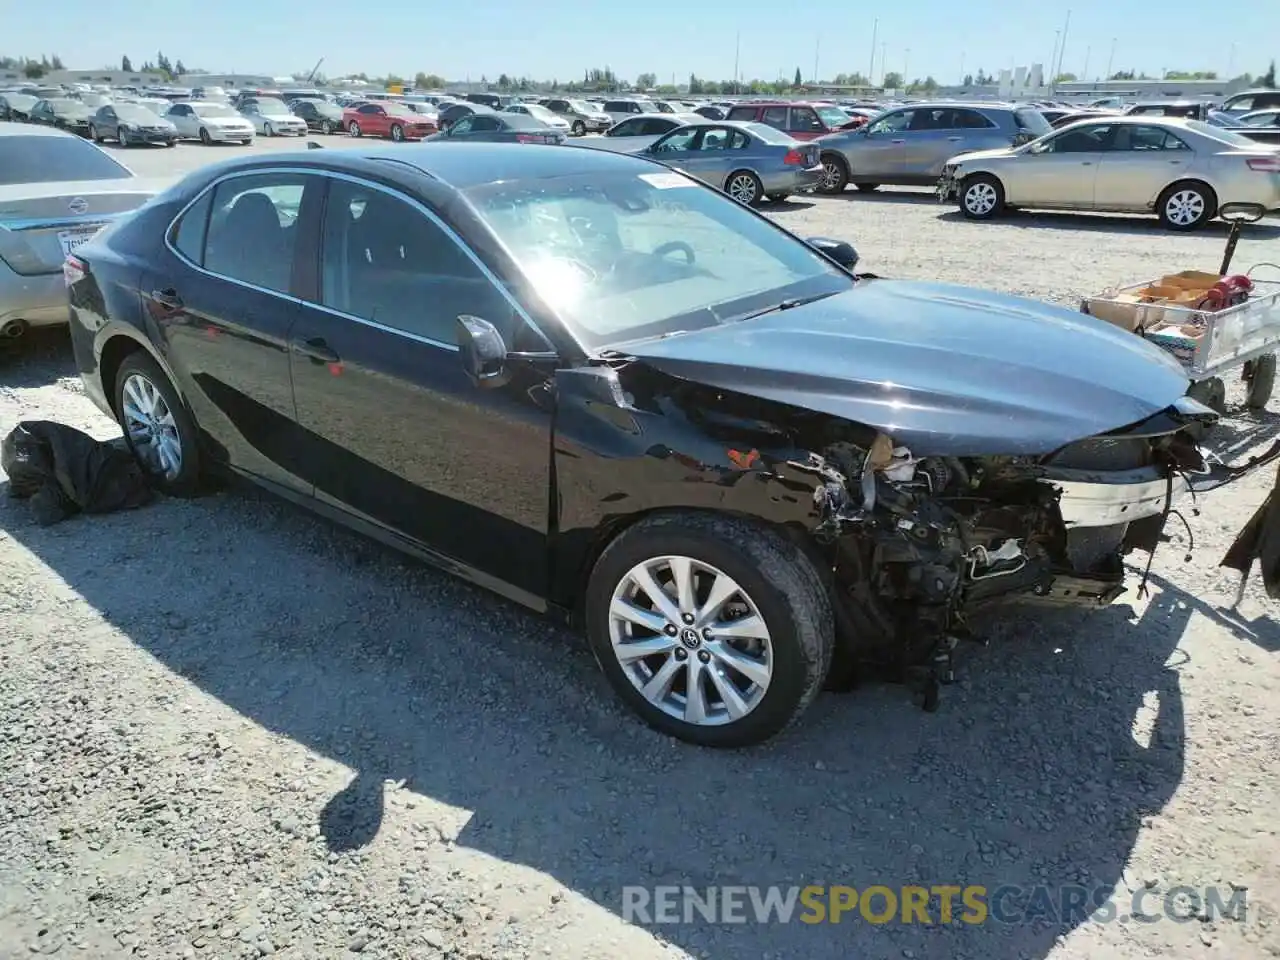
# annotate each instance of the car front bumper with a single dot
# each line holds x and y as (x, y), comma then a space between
(152, 136)
(230, 133)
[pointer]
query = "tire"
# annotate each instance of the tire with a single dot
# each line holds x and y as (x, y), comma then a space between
(867, 187)
(775, 578)
(326, 128)
(204, 137)
(744, 186)
(981, 196)
(246, 141)
(1262, 382)
(1186, 205)
(267, 129)
(1211, 392)
(835, 174)
(397, 133)
(185, 481)
(579, 129)
(353, 129)
(93, 134)
(122, 135)
(779, 197)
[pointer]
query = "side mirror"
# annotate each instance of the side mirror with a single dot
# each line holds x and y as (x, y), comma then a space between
(837, 250)
(483, 352)
(1242, 212)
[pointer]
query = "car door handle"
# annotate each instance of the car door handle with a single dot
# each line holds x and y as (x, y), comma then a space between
(167, 298)
(316, 350)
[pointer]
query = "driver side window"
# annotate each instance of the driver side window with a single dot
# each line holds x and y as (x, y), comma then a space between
(893, 123)
(679, 140)
(1091, 139)
(387, 262)
(462, 126)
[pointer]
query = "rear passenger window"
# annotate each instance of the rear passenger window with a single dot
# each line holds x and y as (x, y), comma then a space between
(188, 234)
(742, 113)
(805, 120)
(252, 233)
(775, 117)
(971, 120)
(387, 262)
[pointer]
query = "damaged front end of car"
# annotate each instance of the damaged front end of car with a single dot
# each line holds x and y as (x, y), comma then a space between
(919, 544)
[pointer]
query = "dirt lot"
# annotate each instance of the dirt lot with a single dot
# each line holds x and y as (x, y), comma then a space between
(230, 730)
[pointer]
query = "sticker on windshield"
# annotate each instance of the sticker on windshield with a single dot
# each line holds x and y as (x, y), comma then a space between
(665, 181)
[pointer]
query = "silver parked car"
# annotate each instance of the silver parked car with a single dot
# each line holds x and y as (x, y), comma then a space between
(56, 191)
(635, 133)
(1182, 170)
(209, 122)
(584, 117)
(910, 144)
(539, 112)
(748, 161)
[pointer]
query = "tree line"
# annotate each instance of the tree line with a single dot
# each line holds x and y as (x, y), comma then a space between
(33, 68)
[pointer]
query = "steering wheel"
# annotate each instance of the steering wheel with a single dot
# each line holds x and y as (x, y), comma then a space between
(675, 246)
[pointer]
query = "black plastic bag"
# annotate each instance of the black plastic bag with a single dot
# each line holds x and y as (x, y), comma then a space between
(64, 471)
(1259, 542)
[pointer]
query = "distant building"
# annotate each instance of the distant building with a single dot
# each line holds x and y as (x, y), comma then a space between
(115, 78)
(1148, 89)
(231, 81)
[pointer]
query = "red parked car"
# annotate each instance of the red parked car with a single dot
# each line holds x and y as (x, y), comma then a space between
(802, 121)
(386, 120)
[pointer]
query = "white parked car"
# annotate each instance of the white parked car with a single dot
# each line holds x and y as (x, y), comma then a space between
(549, 117)
(209, 122)
(271, 117)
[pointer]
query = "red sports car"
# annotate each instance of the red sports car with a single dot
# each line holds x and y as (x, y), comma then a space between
(392, 120)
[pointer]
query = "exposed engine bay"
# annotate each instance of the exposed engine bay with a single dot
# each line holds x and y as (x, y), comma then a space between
(918, 544)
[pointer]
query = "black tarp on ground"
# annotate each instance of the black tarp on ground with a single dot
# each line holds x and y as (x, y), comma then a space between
(63, 471)
(1260, 541)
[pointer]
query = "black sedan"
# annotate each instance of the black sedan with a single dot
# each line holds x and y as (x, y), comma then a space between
(588, 382)
(63, 113)
(493, 127)
(16, 107)
(131, 125)
(319, 115)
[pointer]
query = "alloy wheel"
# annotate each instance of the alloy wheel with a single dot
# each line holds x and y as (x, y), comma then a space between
(742, 187)
(831, 174)
(153, 433)
(326, 127)
(980, 199)
(690, 640)
(1185, 207)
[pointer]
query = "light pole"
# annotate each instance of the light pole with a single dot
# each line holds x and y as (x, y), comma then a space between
(737, 48)
(1085, 74)
(871, 71)
(884, 52)
(817, 47)
(1048, 81)
(1062, 49)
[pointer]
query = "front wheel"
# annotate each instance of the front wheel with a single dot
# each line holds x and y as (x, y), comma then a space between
(122, 135)
(326, 128)
(204, 137)
(397, 133)
(744, 186)
(835, 174)
(579, 129)
(1262, 382)
(268, 130)
(353, 129)
(157, 426)
(714, 629)
(1186, 206)
(981, 197)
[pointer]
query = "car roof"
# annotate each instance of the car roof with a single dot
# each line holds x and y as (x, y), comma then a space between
(465, 165)
(8, 129)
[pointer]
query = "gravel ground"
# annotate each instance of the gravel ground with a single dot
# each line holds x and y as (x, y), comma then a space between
(228, 729)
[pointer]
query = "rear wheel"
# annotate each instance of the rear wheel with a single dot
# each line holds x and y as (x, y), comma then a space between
(715, 630)
(1186, 206)
(744, 186)
(835, 174)
(94, 135)
(353, 129)
(157, 427)
(981, 197)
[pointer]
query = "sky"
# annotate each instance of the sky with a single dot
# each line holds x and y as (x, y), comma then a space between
(559, 39)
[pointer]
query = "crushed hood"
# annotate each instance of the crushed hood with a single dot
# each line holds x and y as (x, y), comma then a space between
(942, 369)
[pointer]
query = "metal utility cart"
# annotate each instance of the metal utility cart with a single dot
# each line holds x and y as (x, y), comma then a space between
(1209, 342)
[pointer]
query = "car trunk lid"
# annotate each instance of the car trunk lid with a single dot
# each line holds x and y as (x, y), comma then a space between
(40, 224)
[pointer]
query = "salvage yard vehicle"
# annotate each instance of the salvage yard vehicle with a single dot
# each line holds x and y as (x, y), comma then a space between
(56, 191)
(1181, 170)
(209, 122)
(131, 125)
(601, 389)
(270, 117)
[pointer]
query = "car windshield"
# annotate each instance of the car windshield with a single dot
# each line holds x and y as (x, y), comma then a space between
(63, 105)
(131, 111)
(54, 159)
(1224, 136)
(832, 116)
(622, 256)
(269, 105)
(1033, 121)
(213, 110)
(20, 101)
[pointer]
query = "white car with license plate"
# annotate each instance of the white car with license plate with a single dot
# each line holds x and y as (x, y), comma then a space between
(272, 118)
(57, 190)
(209, 122)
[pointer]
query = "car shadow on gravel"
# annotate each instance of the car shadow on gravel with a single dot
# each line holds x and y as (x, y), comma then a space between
(1030, 774)
(37, 358)
(1113, 223)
